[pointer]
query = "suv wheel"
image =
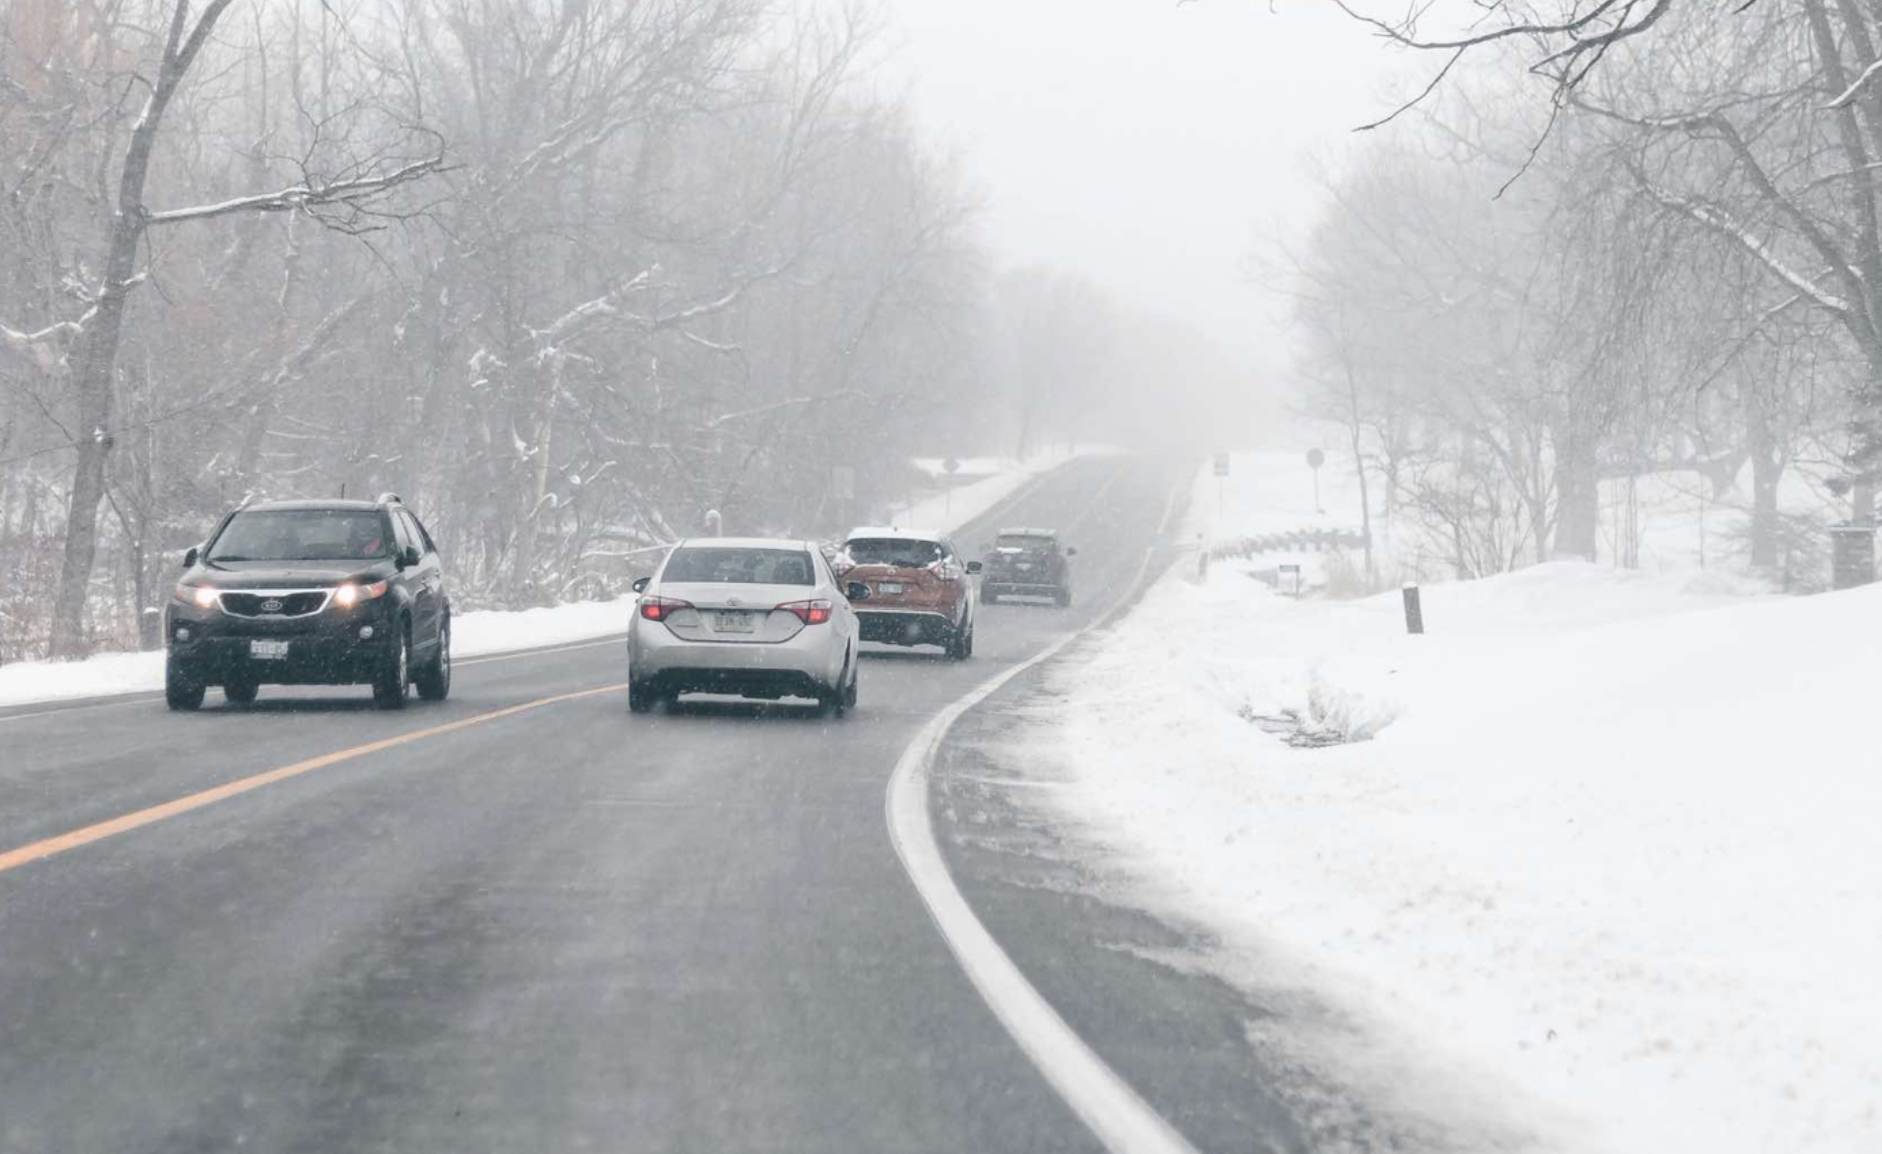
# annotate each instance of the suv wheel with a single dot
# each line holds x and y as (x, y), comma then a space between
(180, 690)
(1063, 596)
(240, 691)
(961, 645)
(389, 688)
(434, 679)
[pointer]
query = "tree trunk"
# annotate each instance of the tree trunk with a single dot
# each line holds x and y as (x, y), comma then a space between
(1578, 502)
(94, 396)
(1766, 469)
(92, 384)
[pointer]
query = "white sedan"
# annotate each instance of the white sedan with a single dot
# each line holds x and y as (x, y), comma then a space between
(747, 616)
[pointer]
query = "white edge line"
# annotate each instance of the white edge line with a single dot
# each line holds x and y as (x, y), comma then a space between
(539, 651)
(132, 697)
(1103, 1101)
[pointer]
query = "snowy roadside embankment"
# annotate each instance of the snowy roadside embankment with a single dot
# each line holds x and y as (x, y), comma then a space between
(1607, 874)
(472, 634)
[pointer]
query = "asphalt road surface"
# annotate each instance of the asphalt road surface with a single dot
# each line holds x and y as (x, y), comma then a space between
(565, 927)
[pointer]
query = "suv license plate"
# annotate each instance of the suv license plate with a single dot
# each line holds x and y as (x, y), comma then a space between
(734, 622)
(268, 650)
(890, 587)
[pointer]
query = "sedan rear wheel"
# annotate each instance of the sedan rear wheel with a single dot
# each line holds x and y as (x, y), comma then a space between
(639, 698)
(838, 701)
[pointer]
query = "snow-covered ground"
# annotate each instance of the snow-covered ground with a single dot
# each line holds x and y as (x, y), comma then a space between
(1606, 876)
(472, 634)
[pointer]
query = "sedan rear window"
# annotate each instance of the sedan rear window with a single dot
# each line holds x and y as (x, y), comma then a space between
(733, 566)
(1026, 543)
(905, 552)
(303, 535)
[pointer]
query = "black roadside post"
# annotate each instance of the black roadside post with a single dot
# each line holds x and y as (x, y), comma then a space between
(1852, 555)
(1414, 613)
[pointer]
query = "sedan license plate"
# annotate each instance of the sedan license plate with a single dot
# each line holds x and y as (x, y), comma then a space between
(890, 587)
(736, 621)
(268, 650)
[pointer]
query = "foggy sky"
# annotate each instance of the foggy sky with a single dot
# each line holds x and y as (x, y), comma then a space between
(1146, 143)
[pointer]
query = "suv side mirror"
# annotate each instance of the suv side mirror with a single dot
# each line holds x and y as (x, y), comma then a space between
(641, 583)
(974, 567)
(409, 556)
(856, 591)
(190, 555)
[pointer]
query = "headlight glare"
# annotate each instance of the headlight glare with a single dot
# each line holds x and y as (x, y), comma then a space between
(350, 594)
(201, 596)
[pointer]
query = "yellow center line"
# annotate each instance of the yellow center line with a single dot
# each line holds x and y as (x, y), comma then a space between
(86, 835)
(1091, 506)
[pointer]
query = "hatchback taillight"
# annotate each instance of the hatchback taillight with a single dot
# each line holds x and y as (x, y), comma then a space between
(810, 612)
(661, 608)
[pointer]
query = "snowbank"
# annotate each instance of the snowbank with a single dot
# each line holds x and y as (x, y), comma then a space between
(1607, 871)
(473, 634)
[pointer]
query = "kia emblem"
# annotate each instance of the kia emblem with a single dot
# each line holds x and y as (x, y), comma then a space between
(271, 606)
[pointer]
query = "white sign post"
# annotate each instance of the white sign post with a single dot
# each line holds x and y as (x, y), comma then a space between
(950, 467)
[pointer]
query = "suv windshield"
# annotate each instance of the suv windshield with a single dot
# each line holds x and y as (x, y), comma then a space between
(1025, 543)
(732, 566)
(303, 535)
(899, 551)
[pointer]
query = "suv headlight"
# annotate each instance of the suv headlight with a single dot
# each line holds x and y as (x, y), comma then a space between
(201, 596)
(350, 594)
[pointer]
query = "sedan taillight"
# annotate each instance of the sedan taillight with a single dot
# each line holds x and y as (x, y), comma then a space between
(810, 612)
(661, 608)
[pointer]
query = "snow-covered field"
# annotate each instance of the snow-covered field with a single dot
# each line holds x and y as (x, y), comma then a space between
(1606, 877)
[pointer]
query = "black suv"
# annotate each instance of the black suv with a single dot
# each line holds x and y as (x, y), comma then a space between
(311, 593)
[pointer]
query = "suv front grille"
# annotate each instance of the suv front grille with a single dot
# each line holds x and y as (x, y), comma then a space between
(301, 603)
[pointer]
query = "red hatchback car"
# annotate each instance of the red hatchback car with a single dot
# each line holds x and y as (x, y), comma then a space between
(919, 589)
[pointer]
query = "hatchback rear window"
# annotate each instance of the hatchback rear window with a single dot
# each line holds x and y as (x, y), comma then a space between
(910, 553)
(733, 566)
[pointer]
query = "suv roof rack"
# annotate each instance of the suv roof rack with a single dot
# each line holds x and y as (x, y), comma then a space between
(388, 499)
